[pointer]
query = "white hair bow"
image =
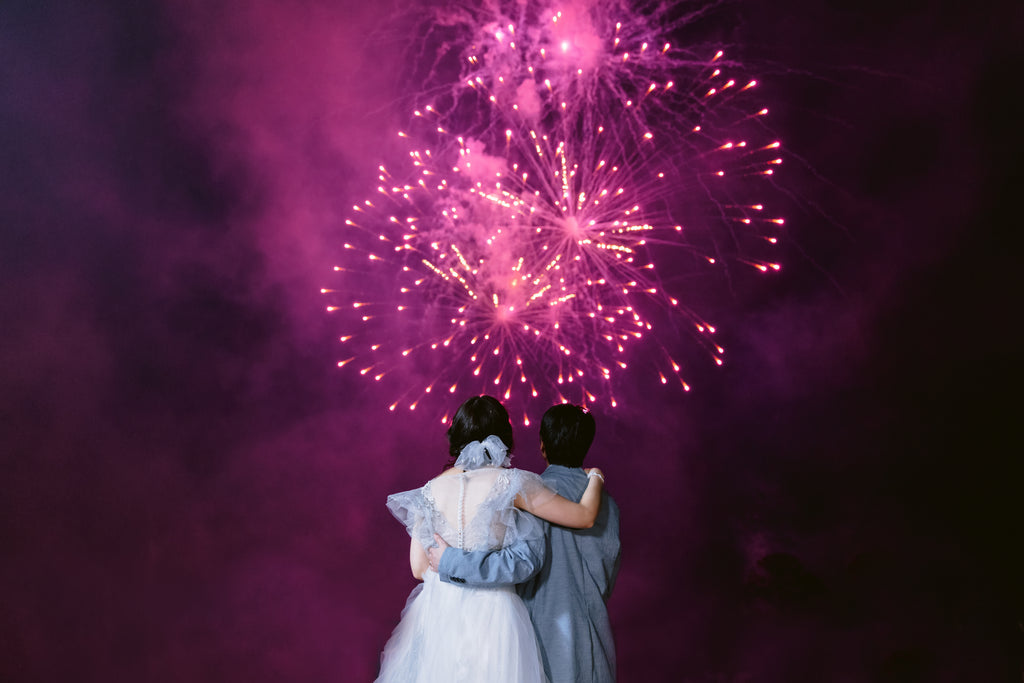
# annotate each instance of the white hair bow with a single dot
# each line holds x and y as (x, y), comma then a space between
(491, 452)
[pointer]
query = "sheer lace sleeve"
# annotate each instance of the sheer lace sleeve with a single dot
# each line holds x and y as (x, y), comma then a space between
(415, 510)
(511, 524)
(532, 488)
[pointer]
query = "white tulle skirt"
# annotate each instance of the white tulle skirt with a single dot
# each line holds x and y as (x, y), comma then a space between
(453, 634)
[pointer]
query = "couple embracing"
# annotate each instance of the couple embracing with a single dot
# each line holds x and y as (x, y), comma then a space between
(516, 568)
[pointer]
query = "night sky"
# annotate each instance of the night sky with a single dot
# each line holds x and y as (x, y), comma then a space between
(192, 491)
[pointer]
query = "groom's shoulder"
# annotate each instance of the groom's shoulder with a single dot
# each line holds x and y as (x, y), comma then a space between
(554, 474)
(562, 471)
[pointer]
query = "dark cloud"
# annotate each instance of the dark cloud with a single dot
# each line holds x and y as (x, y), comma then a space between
(192, 492)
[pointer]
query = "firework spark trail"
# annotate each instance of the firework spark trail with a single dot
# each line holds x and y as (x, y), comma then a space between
(514, 251)
(575, 60)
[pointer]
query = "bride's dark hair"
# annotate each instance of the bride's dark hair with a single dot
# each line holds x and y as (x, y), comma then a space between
(476, 419)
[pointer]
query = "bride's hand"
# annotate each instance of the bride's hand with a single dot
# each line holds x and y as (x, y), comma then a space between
(594, 472)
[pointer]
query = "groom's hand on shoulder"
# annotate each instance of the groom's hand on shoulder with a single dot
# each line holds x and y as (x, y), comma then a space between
(434, 554)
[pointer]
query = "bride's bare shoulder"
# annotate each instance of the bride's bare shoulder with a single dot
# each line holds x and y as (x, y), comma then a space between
(449, 472)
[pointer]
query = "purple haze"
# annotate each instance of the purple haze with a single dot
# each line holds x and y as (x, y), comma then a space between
(191, 490)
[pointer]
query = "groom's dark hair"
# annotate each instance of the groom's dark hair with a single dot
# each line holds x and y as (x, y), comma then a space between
(566, 432)
(477, 419)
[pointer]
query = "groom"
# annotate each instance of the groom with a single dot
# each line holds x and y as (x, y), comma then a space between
(567, 597)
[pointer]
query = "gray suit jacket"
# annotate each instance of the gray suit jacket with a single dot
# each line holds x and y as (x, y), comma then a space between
(508, 566)
(567, 597)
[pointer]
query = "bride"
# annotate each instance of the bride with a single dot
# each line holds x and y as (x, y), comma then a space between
(451, 633)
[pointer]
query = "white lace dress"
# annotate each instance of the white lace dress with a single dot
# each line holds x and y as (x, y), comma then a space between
(451, 633)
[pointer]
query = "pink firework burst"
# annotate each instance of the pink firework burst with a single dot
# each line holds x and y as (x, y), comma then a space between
(518, 249)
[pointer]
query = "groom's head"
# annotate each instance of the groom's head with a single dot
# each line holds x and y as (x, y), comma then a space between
(566, 432)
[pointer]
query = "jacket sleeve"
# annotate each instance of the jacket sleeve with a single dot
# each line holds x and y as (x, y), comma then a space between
(508, 566)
